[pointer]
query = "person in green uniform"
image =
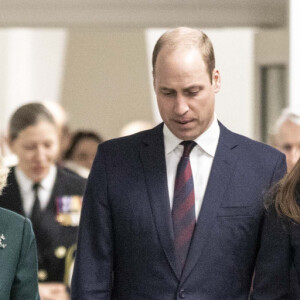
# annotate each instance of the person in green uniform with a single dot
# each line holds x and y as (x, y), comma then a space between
(18, 255)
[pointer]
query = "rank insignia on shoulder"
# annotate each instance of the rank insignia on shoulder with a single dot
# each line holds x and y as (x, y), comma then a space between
(68, 210)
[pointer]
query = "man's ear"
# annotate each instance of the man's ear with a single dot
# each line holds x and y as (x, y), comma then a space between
(216, 80)
(154, 85)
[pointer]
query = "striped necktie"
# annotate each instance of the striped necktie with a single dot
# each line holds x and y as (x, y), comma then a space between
(183, 212)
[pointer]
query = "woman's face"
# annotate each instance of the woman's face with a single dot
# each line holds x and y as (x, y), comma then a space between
(37, 148)
(84, 152)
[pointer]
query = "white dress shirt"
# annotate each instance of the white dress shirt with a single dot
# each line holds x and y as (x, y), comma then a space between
(201, 159)
(27, 193)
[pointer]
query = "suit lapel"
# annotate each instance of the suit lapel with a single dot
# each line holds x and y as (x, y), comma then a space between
(221, 171)
(153, 159)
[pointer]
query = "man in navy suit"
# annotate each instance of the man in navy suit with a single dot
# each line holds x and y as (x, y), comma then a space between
(151, 230)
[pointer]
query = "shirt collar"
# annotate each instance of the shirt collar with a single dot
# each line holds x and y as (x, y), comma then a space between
(26, 183)
(207, 141)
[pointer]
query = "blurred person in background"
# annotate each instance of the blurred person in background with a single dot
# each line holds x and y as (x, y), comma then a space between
(135, 126)
(61, 119)
(286, 135)
(80, 155)
(48, 194)
(18, 256)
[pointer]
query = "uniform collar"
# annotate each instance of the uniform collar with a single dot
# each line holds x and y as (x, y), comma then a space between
(26, 183)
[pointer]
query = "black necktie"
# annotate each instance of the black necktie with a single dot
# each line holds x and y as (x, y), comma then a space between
(183, 211)
(36, 209)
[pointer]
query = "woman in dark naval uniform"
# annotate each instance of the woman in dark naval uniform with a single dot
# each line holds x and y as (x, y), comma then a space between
(46, 193)
(18, 257)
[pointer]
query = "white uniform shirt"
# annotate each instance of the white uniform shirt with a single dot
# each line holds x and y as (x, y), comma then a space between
(27, 193)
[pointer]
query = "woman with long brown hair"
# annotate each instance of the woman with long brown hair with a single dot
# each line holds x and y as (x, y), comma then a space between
(280, 240)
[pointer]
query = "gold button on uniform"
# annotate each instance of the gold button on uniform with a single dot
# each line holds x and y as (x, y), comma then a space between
(42, 275)
(60, 252)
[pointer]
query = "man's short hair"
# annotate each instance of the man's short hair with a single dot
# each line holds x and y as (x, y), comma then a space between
(186, 37)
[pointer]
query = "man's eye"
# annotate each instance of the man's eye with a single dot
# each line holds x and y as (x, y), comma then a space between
(168, 94)
(29, 147)
(287, 147)
(48, 145)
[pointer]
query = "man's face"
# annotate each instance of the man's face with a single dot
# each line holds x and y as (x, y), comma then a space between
(288, 141)
(184, 91)
(36, 147)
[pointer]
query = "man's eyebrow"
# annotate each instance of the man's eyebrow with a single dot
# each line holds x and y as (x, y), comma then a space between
(192, 87)
(165, 89)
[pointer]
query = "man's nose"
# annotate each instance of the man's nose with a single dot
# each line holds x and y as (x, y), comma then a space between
(40, 153)
(181, 105)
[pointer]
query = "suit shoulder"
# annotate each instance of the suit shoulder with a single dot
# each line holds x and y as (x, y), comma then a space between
(256, 146)
(248, 145)
(131, 141)
(253, 154)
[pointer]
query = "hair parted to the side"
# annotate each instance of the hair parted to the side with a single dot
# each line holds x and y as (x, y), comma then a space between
(186, 37)
(28, 115)
(287, 191)
(3, 174)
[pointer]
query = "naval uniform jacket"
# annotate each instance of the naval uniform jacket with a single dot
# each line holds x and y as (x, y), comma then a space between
(53, 239)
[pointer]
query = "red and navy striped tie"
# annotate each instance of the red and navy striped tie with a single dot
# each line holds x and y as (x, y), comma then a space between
(183, 211)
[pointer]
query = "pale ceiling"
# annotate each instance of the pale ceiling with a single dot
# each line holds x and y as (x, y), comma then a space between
(143, 13)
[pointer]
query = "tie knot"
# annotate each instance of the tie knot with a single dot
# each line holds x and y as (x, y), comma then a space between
(35, 186)
(188, 147)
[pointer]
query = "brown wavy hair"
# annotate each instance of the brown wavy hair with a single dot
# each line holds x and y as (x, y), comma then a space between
(287, 192)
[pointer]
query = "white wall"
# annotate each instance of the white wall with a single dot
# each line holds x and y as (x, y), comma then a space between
(294, 26)
(271, 49)
(106, 81)
(234, 51)
(32, 64)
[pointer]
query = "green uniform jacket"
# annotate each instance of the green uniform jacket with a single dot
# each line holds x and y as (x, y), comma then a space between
(18, 258)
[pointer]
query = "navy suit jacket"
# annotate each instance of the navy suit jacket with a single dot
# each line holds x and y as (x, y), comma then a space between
(126, 249)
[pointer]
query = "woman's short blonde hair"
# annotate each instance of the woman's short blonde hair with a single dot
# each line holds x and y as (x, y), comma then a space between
(3, 174)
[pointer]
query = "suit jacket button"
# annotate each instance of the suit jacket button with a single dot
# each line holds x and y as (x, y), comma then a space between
(182, 293)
